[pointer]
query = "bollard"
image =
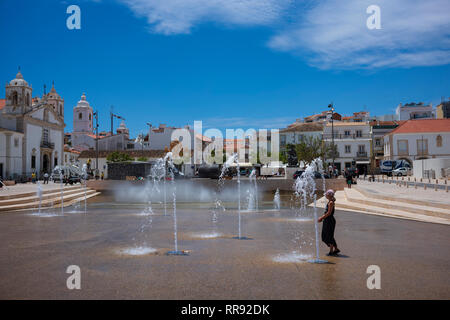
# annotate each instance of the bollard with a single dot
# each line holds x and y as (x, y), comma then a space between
(424, 186)
(446, 188)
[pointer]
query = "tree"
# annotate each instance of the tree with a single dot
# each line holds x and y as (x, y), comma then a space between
(118, 157)
(142, 159)
(309, 148)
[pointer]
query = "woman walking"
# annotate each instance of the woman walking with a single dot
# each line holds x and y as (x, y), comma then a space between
(329, 223)
(348, 178)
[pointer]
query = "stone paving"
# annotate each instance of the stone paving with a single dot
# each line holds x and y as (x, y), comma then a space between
(414, 257)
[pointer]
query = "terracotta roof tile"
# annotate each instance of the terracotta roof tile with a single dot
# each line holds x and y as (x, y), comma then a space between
(423, 126)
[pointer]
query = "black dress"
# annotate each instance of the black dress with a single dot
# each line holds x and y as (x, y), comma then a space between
(329, 223)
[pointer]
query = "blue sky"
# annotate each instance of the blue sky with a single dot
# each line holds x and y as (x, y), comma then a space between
(247, 63)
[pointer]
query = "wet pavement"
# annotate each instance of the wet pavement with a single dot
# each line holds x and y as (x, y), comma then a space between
(35, 252)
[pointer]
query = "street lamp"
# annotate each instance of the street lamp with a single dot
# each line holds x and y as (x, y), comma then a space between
(96, 141)
(332, 131)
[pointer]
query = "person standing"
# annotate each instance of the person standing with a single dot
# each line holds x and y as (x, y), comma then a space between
(45, 178)
(348, 178)
(329, 224)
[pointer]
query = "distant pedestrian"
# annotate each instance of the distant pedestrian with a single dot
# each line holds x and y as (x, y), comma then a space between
(103, 175)
(33, 177)
(46, 178)
(348, 178)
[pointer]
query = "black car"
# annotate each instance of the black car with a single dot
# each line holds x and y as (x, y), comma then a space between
(297, 174)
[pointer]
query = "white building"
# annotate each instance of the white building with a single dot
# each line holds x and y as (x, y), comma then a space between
(295, 133)
(160, 137)
(413, 110)
(418, 139)
(83, 136)
(353, 143)
(70, 155)
(31, 134)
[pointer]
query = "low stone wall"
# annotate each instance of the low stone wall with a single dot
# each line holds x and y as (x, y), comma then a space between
(122, 170)
(263, 185)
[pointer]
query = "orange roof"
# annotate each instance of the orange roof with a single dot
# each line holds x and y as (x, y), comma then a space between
(2, 103)
(422, 126)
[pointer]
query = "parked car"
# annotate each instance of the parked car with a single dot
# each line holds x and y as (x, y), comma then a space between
(403, 171)
(297, 174)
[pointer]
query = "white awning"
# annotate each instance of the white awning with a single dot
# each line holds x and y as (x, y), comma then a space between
(363, 162)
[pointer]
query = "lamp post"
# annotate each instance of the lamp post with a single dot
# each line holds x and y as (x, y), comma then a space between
(96, 140)
(331, 106)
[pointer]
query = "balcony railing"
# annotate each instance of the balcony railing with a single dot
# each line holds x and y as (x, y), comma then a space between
(46, 144)
(347, 136)
(361, 154)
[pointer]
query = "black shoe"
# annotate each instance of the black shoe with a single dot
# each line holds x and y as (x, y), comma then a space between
(336, 252)
(330, 253)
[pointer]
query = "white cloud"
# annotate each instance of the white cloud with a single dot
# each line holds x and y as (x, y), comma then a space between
(180, 16)
(328, 34)
(333, 34)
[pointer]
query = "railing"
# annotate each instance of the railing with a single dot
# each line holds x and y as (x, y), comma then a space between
(46, 144)
(361, 154)
(346, 136)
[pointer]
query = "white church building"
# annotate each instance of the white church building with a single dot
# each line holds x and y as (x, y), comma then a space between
(31, 131)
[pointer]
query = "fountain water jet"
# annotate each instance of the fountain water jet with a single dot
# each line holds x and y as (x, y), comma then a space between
(39, 194)
(305, 186)
(276, 200)
(62, 191)
(169, 160)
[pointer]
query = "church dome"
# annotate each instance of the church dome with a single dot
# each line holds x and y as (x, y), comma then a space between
(122, 125)
(53, 94)
(18, 81)
(83, 102)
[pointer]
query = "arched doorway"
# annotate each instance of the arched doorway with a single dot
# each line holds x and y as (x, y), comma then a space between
(45, 163)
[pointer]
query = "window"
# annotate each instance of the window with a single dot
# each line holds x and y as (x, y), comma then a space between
(377, 142)
(56, 161)
(439, 141)
(347, 132)
(283, 140)
(422, 147)
(80, 116)
(14, 98)
(45, 135)
(362, 148)
(348, 149)
(90, 116)
(33, 162)
(402, 146)
(16, 142)
(358, 133)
